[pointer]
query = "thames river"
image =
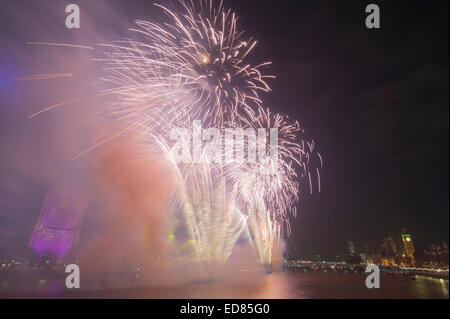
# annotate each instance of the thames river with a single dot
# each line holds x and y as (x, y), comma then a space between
(280, 285)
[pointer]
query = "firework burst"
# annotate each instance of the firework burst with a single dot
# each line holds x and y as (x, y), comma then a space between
(269, 187)
(192, 65)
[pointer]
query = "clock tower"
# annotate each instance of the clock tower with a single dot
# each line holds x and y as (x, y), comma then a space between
(408, 244)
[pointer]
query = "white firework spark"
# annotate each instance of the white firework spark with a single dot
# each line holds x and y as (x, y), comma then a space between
(193, 66)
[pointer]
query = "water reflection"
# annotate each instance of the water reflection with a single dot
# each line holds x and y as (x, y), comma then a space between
(284, 285)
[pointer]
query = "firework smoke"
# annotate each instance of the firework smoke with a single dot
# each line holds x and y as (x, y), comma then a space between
(192, 66)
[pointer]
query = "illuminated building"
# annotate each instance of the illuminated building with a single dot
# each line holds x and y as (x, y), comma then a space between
(408, 245)
(59, 222)
(388, 261)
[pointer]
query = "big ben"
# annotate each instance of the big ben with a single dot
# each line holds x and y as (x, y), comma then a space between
(408, 244)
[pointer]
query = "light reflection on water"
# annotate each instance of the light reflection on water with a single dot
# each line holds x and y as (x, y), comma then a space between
(283, 285)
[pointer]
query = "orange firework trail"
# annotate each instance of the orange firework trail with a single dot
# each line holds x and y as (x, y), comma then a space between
(69, 45)
(48, 108)
(45, 76)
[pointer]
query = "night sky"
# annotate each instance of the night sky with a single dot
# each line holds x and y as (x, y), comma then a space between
(376, 102)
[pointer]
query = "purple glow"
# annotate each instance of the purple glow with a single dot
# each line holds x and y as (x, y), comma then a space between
(59, 222)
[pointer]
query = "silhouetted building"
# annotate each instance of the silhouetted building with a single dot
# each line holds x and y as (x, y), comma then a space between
(351, 250)
(352, 256)
(435, 256)
(390, 246)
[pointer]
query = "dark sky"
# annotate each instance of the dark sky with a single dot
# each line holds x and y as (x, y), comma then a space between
(375, 101)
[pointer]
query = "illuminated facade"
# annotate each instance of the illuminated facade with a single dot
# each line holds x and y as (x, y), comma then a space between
(409, 245)
(59, 222)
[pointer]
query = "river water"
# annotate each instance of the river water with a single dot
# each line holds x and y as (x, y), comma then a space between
(279, 285)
